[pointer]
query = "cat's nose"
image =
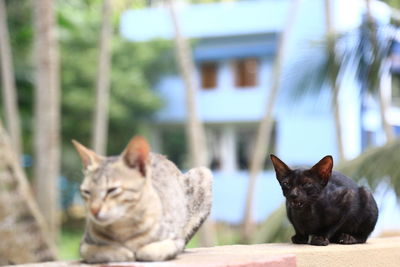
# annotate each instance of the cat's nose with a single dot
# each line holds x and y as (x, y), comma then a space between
(94, 209)
(294, 194)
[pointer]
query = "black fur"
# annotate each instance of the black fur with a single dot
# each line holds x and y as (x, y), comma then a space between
(325, 205)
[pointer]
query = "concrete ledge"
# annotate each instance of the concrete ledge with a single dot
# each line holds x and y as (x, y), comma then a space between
(376, 252)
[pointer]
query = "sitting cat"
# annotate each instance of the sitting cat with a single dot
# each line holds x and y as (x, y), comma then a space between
(326, 205)
(140, 206)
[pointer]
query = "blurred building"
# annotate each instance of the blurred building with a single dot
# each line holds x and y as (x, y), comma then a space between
(235, 45)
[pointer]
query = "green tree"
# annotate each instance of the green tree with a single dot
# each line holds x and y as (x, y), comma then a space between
(333, 76)
(10, 97)
(136, 68)
(21, 32)
(27, 240)
(47, 113)
(100, 121)
(378, 69)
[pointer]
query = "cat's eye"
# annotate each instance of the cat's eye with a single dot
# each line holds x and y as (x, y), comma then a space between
(112, 191)
(85, 193)
(307, 185)
(285, 184)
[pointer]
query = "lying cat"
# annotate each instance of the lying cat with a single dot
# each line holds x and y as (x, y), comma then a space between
(140, 206)
(326, 205)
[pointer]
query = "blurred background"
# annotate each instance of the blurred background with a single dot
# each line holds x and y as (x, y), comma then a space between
(215, 83)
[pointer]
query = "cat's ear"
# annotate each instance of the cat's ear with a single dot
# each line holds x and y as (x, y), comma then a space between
(88, 157)
(136, 154)
(281, 169)
(323, 169)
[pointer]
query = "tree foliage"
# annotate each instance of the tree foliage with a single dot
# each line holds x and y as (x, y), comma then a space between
(376, 165)
(21, 37)
(136, 68)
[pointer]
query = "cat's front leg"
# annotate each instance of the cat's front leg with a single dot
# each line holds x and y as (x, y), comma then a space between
(160, 251)
(300, 239)
(319, 240)
(92, 253)
(346, 239)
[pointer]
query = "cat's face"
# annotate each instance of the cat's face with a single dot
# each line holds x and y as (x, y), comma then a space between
(302, 187)
(113, 185)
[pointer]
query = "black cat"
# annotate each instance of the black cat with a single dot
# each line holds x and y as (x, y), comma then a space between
(325, 205)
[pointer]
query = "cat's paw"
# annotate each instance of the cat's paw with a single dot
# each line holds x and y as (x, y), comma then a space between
(317, 240)
(101, 254)
(347, 239)
(122, 254)
(157, 251)
(300, 239)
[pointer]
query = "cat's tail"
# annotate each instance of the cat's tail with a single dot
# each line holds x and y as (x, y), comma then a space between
(197, 184)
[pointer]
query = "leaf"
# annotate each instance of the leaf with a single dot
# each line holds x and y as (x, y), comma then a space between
(376, 165)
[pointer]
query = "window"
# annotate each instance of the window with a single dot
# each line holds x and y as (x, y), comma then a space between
(209, 75)
(245, 72)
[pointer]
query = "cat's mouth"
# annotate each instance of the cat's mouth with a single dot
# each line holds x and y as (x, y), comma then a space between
(101, 221)
(297, 204)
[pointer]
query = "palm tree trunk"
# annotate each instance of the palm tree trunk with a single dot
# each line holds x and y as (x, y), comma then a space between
(385, 84)
(10, 102)
(333, 73)
(47, 114)
(23, 231)
(194, 128)
(265, 128)
(337, 119)
(100, 129)
(383, 103)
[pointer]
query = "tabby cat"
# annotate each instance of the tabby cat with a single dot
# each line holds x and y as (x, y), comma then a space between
(139, 205)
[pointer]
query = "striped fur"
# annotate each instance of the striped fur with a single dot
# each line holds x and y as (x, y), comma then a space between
(140, 206)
